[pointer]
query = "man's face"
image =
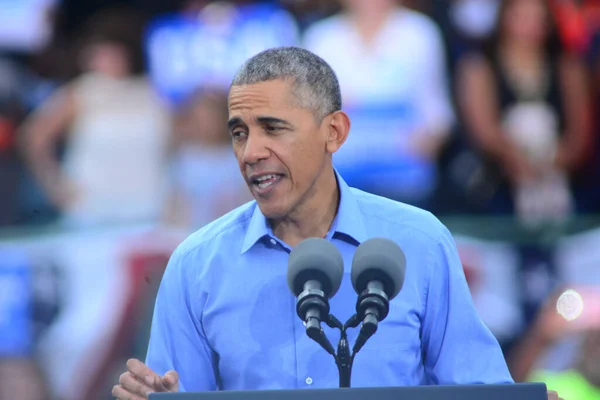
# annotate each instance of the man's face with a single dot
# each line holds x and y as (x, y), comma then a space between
(281, 148)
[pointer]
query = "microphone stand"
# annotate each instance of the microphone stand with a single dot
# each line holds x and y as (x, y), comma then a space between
(344, 358)
(372, 306)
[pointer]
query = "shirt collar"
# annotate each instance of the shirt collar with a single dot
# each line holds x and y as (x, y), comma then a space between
(348, 221)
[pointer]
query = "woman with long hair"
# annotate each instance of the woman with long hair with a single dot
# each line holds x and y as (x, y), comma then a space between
(525, 106)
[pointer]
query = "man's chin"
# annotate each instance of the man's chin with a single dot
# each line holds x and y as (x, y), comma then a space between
(271, 211)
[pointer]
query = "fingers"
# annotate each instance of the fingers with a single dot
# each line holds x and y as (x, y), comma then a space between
(129, 382)
(139, 369)
(171, 381)
(121, 394)
(552, 395)
(157, 384)
(141, 380)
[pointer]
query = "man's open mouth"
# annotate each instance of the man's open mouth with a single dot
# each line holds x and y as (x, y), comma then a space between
(265, 182)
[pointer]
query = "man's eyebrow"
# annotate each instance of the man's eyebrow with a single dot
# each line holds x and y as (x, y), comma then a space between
(273, 120)
(235, 121)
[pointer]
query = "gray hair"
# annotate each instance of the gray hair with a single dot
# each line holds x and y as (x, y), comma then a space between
(316, 86)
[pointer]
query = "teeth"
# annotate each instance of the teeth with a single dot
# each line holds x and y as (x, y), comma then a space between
(265, 181)
(265, 177)
(264, 185)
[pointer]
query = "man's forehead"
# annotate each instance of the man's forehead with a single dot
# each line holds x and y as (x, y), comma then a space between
(271, 94)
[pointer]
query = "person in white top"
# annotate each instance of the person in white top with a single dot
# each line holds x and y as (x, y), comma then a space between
(390, 61)
(117, 136)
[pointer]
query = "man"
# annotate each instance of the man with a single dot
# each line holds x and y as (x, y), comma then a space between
(224, 318)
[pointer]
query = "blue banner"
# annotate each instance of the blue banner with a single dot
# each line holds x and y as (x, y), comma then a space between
(377, 156)
(186, 52)
(16, 330)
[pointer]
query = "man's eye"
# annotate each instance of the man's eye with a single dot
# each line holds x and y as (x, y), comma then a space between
(238, 135)
(270, 128)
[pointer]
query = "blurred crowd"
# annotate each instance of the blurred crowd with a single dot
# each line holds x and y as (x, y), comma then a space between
(114, 146)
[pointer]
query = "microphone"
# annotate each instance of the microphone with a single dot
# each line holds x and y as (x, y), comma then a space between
(378, 270)
(315, 270)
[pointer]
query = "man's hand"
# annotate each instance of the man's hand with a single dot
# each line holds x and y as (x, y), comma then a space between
(139, 381)
(553, 396)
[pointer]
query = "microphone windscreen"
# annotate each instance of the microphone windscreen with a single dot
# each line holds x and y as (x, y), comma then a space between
(379, 259)
(315, 259)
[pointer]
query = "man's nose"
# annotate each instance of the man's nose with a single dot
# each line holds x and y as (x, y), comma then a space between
(255, 150)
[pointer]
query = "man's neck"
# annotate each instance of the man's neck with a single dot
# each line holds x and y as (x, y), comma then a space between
(314, 217)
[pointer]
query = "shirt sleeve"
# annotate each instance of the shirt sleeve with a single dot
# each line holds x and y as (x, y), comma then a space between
(177, 340)
(458, 347)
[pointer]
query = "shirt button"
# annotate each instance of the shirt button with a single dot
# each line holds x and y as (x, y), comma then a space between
(309, 381)
(273, 241)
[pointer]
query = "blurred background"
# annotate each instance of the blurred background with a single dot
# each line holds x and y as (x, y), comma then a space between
(113, 147)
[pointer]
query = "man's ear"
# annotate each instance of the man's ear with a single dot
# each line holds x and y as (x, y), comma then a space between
(338, 128)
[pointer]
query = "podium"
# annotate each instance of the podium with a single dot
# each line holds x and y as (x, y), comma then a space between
(518, 391)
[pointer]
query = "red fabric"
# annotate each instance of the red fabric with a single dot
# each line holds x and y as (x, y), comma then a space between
(7, 129)
(571, 25)
(576, 23)
(141, 266)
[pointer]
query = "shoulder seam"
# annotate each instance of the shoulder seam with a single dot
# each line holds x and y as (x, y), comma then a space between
(397, 222)
(216, 235)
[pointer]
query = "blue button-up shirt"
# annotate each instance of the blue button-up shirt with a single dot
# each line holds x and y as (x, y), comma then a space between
(225, 319)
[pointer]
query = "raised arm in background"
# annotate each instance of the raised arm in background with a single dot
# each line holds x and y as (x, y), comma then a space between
(40, 135)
